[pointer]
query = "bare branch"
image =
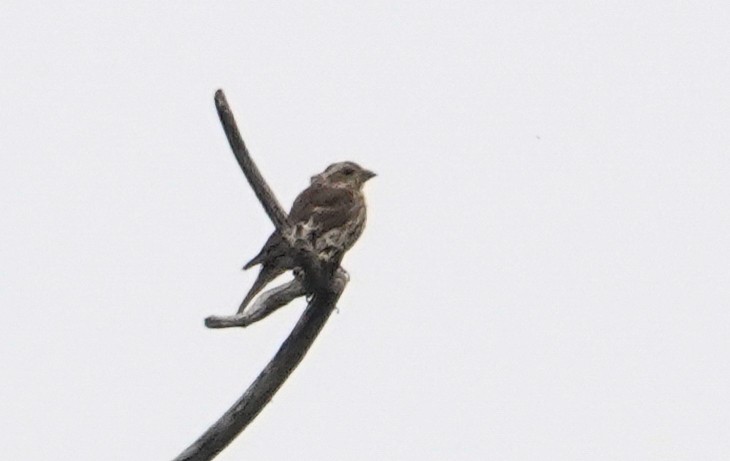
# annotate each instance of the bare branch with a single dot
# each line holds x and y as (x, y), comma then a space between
(314, 274)
(258, 184)
(291, 352)
(266, 303)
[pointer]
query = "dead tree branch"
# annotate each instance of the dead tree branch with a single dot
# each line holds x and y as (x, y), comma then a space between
(266, 303)
(324, 285)
(253, 175)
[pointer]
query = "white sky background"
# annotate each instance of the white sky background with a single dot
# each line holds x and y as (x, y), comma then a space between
(545, 271)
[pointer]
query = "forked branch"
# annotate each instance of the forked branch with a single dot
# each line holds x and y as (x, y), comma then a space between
(324, 286)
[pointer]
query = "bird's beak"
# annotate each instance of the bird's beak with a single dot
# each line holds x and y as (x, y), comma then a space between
(367, 174)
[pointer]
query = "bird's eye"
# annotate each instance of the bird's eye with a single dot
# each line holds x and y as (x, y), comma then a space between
(348, 171)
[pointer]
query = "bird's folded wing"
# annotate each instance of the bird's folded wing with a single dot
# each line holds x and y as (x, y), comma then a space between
(327, 207)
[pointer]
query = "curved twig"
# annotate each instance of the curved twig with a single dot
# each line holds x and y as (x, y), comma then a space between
(324, 285)
(253, 175)
(266, 303)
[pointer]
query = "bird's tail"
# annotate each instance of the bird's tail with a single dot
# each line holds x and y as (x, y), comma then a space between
(267, 274)
(258, 259)
(250, 264)
(272, 249)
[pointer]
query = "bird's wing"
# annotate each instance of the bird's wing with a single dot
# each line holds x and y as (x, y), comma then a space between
(327, 207)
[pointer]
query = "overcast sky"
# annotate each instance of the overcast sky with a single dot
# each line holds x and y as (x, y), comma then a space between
(545, 274)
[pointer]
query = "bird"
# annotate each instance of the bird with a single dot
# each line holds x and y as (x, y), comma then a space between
(330, 213)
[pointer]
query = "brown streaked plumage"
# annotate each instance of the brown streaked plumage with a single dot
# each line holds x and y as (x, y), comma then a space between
(330, 213)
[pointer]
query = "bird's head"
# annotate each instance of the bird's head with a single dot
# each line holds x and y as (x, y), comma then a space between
(344, 174)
